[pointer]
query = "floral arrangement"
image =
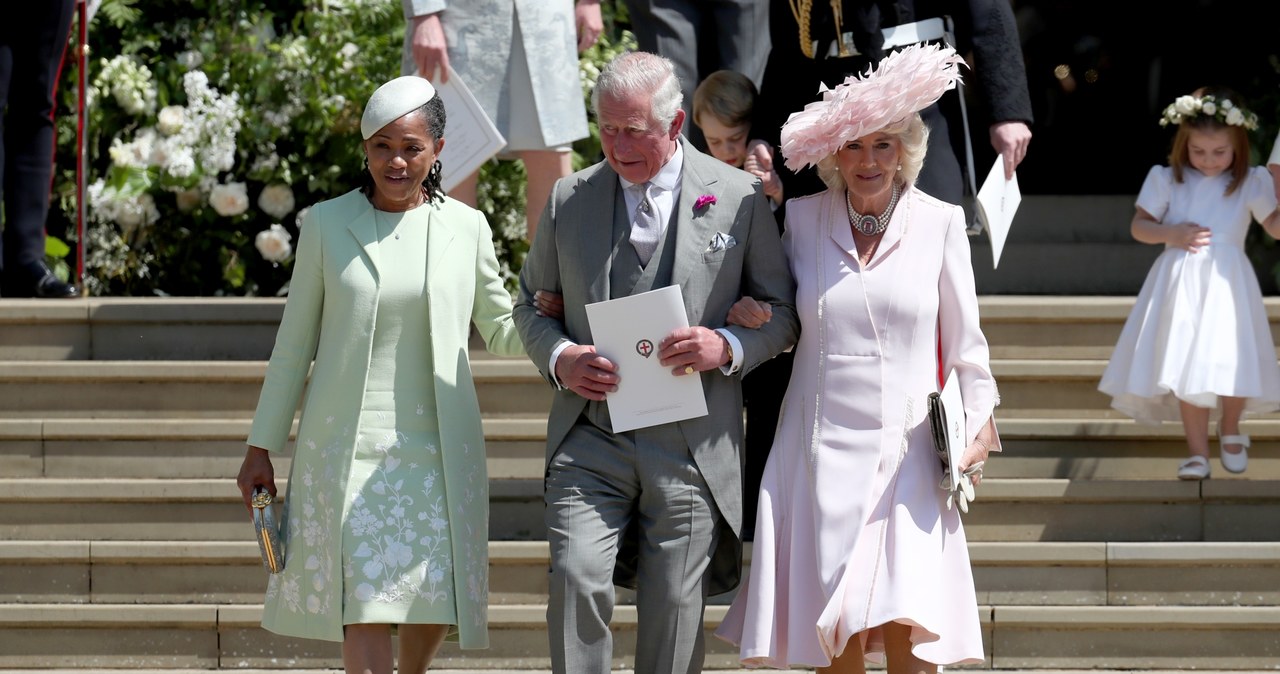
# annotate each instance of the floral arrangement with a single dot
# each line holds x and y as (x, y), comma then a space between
(210, 129)
(1224, 111)
(214, 124)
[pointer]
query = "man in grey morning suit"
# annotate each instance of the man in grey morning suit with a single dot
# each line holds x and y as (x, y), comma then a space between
(659, 508)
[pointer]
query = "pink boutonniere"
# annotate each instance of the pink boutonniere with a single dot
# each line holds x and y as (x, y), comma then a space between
(704, 201)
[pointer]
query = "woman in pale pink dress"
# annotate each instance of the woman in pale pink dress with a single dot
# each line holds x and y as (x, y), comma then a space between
(859, 556)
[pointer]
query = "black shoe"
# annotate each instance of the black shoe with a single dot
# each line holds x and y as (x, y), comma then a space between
(39, 282)
(51, 287)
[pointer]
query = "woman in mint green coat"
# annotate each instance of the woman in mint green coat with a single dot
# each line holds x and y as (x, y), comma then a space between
(388, 502)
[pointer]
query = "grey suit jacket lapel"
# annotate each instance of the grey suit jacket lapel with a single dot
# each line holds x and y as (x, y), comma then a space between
(694, 229)
(594, 231)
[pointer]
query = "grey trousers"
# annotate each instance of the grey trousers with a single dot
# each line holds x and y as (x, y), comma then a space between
(598, 486)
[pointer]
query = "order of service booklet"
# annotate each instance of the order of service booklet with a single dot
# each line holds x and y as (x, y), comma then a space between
(997, 202)
(627, 331)
(470, 137)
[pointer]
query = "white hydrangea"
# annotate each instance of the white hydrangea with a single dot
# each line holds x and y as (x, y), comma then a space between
(130, 83)
(190, 60)
(229, 199)
(136, 212)
(108, 205)
(180, 161)
(265, 162)
(213, 120)
(170, 119)
(273, 243)
(136, 153)
(348, 52)
(276, 200)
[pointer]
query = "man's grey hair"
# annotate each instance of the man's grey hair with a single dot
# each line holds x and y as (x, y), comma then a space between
(641, 73)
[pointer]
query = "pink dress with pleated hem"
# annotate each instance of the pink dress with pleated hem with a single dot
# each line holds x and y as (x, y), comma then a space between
(852, 529)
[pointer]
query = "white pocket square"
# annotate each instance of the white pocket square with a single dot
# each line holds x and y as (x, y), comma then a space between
(721, 241)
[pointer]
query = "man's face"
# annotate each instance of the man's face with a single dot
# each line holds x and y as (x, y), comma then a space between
(635, 144)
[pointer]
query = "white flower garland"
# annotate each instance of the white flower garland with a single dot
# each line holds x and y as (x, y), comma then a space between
(1226, 112)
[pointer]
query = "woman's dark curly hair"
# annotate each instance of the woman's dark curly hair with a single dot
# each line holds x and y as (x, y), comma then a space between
(433, 112)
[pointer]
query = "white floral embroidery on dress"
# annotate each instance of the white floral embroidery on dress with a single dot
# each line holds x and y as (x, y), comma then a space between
(311, 524)
(398, 564)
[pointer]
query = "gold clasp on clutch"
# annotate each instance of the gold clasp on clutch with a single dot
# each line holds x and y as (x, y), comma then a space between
(262, 499)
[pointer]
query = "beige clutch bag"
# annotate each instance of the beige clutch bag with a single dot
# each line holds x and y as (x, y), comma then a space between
(267, 529)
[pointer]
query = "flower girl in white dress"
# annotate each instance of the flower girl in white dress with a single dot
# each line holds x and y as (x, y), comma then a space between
(1198, 343)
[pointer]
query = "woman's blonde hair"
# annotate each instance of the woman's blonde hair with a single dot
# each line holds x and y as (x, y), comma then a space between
(913, 138)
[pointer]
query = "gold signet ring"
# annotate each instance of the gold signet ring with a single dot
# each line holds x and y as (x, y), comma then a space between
(688, 369)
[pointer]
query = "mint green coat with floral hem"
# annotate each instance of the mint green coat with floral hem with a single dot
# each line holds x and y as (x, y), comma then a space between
(329, 317)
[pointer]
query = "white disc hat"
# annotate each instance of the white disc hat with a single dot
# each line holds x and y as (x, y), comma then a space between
(394, 100)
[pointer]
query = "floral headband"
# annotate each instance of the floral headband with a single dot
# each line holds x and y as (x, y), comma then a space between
(1224, 111)
(905, 82)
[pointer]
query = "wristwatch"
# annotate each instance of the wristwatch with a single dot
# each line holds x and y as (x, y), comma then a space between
(728, 348)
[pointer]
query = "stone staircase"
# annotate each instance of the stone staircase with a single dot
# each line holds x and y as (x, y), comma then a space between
(124, 547)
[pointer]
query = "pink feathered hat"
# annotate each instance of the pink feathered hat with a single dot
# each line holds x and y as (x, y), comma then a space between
(905, 82)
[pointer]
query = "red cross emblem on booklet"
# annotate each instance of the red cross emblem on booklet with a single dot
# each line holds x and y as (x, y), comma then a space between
(644, 347)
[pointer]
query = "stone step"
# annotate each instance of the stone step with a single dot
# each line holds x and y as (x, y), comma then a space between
(200, 448)
(1086, 448)
(505, 388)
(206, 636)
(481, 670)
(206, 389)
(1018, 324)
(239, 670)
(34, 509)
(1013, 574)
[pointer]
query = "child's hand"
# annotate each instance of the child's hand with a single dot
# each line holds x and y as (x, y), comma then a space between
(759, 163)
(1189, 237)
(759, 158)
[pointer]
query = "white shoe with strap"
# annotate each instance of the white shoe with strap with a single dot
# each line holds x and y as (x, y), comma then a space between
(1194, 468)
(1239, 461)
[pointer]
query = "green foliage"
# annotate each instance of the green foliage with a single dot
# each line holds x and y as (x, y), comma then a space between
(199, 107)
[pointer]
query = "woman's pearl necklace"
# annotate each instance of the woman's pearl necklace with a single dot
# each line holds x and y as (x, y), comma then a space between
(870, 225)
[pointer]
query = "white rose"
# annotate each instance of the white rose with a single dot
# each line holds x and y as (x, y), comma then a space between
(276, 200)
(171, 118)
(1227, 104)
(229, 199)
(1208, 108)
(1186, 105)
(188, 200)
(273, 244)
(302, 215)
(1235, 117)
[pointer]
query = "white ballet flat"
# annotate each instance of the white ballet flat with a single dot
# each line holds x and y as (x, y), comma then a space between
(1238, 462)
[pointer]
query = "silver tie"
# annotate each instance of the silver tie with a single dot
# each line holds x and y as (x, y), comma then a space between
(646, 228)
